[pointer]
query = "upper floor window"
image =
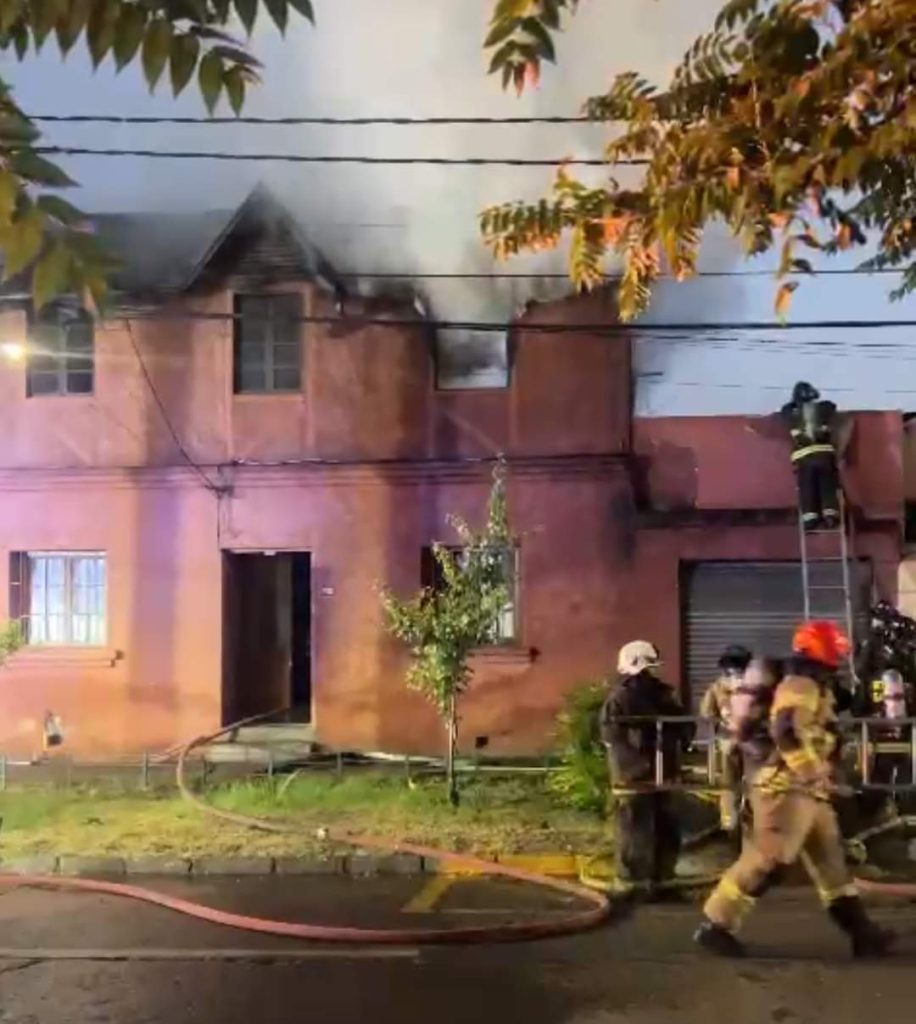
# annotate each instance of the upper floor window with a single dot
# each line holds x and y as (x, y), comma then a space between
(506, 630)
(60, 597)
(61, 352)
(268, 343)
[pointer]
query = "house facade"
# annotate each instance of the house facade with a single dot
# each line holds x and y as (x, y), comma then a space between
(201, 494)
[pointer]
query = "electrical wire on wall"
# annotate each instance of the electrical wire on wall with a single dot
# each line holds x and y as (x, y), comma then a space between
(214, 488)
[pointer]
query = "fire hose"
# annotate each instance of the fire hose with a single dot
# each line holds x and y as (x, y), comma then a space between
(596, 911)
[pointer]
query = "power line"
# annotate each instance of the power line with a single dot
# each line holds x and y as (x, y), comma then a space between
(329, 121)
(751, 386)
(303, 158)
(544, 276)
(616, 327)
(207, 482)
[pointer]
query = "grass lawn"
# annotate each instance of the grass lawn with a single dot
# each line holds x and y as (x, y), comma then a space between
(497, 815)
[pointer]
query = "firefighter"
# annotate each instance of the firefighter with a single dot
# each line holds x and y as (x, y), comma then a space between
(811, 422)
(717, 707)
(648, 832)
(886, 698)
(750, 712)
(791, 801)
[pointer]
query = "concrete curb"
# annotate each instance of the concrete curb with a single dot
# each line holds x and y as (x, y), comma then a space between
(354, 865)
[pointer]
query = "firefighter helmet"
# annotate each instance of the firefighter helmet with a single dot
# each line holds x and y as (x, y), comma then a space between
(637, 656)
(735, 657)
(805, 392)
(821, 641)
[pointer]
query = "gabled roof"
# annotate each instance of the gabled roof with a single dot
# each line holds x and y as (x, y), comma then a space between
(163, 254)
(261, 238)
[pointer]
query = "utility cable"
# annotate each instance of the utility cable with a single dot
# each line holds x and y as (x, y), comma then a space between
(207, 482)
(303, 158)
(543, 327)
(329, 121)
(547, 276)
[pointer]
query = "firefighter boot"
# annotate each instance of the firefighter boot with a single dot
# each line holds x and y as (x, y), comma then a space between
(868, 939)
(718, 940)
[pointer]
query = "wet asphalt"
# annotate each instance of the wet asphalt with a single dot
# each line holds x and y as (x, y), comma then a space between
(80, 958)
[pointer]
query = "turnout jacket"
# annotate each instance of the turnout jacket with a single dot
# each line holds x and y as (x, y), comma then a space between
(805, 734)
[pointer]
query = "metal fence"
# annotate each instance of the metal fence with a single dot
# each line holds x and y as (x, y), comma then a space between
(865, 739)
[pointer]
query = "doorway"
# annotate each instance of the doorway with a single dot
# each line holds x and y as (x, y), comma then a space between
(267, 634)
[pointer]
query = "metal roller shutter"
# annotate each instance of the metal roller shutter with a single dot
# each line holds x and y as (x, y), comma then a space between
(757, 604)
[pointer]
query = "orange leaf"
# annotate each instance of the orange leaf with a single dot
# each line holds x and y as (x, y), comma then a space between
(733, 177)
(613, 228)
(784, 298)
(532, 74)
(779, 220)
(844, 236)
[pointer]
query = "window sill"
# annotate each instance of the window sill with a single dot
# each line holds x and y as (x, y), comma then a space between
(508, 656)
(255, 396)
(67, 395)
(42, 657)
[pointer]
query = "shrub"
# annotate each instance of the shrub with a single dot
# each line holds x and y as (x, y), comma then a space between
(582, 778)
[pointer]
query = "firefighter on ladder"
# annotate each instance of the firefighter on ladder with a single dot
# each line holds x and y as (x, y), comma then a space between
(791, 801)
(811, 422)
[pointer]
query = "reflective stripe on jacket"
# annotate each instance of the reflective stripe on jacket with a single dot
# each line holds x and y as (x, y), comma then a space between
(812, 449)
(805, 734)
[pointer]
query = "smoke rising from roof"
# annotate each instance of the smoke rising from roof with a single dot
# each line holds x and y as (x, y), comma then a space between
(373, 58)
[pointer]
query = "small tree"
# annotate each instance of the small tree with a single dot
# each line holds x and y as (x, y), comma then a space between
(443, 624)
(582, 779)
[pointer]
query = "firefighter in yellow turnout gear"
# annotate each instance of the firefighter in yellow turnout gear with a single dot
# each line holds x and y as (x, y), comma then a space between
(791, 801)
(716, 706)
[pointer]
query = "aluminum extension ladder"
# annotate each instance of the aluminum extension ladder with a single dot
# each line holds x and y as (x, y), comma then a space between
(842, 533)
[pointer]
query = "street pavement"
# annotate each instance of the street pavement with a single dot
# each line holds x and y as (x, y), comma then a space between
(100, 960)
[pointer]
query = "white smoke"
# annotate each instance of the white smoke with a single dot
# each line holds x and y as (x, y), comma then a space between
(373, 58)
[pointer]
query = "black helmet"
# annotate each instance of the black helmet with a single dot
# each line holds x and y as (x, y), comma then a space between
(735, 657)
(805, 392)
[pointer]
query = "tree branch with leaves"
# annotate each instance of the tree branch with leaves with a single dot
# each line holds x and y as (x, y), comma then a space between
(443, 625)
(793, 122)
(42, 235)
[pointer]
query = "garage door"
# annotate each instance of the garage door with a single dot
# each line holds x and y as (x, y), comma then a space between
(757, 604)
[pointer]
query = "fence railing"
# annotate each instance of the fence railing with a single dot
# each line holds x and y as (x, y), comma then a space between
(867, 737)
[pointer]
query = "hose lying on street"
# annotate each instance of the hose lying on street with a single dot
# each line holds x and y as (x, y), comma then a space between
(597, 907)
(596, 911)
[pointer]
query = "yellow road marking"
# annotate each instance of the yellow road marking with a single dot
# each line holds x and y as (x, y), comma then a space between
(427, 898)
(555, 865)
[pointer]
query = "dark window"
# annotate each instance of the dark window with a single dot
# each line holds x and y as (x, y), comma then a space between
(507, 628)
(268, 346)
(59, 597)
(61, 356)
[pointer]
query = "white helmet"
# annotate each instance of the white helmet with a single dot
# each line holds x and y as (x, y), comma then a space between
(636, 656)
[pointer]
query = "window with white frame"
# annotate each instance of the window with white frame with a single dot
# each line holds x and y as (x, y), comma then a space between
(507, 628)
(61, 353)
(60, 597)
(268, 343)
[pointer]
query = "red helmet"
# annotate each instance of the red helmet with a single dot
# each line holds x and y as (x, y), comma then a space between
(821, 641)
